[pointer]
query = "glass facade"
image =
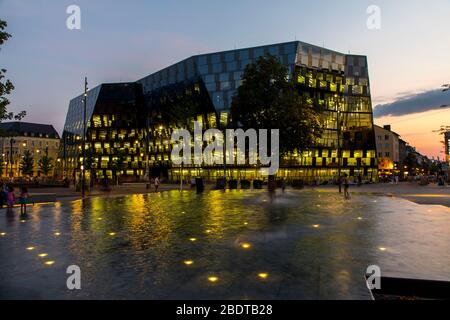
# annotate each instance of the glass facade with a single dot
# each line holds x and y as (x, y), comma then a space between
(201, 88)
(115, 124)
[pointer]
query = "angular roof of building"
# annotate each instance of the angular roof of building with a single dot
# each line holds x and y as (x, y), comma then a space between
(27, 128)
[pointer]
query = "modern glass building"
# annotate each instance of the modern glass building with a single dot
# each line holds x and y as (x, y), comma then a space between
(201, 88)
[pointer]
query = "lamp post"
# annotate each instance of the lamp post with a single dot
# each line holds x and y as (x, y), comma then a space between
(224, 127)
(339, 141)
(11, 142)
(83, 145)
(148, 148)
(64, 155)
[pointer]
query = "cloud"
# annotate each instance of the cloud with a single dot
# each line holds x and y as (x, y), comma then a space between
(413, 103)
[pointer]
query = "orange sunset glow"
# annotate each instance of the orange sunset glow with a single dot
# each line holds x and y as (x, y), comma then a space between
(417, 129)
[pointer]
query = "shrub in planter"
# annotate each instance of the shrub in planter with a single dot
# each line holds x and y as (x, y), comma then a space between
(257, 184)
(220, 184)
(245, 184)
(200, 187)
(233, 184)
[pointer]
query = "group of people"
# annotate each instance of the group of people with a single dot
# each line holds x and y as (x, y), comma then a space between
(156, 182)
(8, 198)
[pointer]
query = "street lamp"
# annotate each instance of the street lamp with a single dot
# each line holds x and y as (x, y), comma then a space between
(147, 127)
(83, 148)
(11, 142)
(339, 140)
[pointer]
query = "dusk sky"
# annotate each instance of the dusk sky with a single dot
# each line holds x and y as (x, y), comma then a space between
(409, 57)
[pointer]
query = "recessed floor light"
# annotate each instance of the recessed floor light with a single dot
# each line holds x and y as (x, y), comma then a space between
(42, 255)
(49, 263)
(31, 248)
(188, 262)
(263, 275)
(246, 245)
(213, 279)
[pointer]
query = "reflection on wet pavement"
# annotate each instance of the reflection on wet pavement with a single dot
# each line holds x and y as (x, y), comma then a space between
(232, 245)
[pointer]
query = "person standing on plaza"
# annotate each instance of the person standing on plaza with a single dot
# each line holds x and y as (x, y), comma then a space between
(346, 187)
(11, 198)
(283, 185)
(2, 195)
(24, 200)
(359, 180)
(156, 184)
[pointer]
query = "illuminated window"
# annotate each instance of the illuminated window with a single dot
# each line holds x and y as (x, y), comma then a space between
(212, 120)
(333, 87)
(301, 79)
(223, 119)
(312, 82)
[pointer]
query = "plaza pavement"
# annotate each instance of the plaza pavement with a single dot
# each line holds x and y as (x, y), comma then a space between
(430, 195)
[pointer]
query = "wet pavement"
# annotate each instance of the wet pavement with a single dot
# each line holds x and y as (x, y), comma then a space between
(220, 245)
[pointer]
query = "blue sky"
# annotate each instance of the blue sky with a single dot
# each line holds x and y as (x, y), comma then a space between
(126, 40)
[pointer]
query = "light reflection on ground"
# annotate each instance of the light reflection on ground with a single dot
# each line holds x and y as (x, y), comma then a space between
(232, 245)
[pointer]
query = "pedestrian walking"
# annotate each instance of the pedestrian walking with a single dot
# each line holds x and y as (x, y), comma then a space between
(156, 184)
(346, 187)
(359, 180)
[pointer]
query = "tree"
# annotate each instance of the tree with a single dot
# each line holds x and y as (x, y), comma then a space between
(6, 86)
(2, 165)
(90, 164)
(268, 100)
(45, 164)
(442, 131)
(27, 164)
(118, 164)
